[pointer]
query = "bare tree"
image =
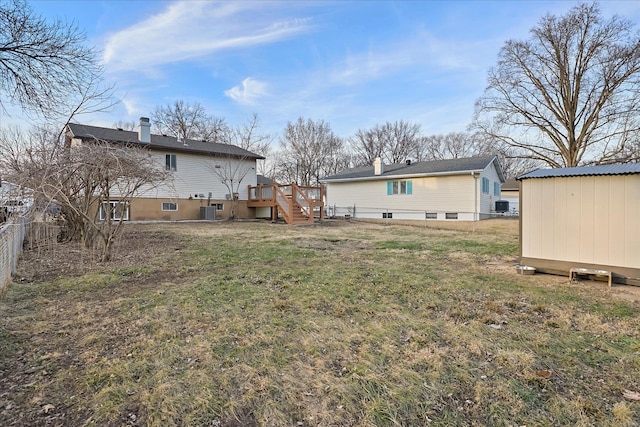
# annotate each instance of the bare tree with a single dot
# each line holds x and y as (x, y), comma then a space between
(92, 183)
(249, 137)
(44, 67)
(126, 125)
(570, 94)
(233, 168)
(189, 121)
(310, 150)
(452, 145)
(392, 142)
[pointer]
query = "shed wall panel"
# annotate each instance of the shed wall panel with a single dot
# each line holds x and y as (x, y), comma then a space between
(632, 220)
(588, 219)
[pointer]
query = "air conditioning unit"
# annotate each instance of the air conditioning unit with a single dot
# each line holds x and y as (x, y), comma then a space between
(208, 213)
(502, 206)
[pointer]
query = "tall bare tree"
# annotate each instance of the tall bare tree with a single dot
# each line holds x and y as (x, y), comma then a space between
(249, 137)
(570, 94)
(392, 142)
(452, 145)
(233, 168)
(189, 121)
(310, 150)
(45, 66)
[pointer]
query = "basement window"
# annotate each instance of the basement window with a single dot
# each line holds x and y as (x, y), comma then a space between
(451, 215)
(169, 206)
(117, 210)
(388, 215)
(431, 215)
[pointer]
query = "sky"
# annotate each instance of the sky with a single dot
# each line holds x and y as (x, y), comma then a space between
(353, 64)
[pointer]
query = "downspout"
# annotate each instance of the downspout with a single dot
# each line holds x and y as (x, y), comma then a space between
(475, 201)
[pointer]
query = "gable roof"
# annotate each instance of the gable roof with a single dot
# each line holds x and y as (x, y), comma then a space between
(617, 169)
(158, 142)
(419, 169)
(511, 185)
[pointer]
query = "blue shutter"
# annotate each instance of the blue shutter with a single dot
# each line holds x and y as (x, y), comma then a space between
(389, 188)
(409, 187)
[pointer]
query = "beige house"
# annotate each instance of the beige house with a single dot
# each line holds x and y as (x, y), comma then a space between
(457, 189)
(583, 217)
(510, 192)
(193, 184)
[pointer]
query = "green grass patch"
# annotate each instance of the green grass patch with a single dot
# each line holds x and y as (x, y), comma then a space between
(356, 324)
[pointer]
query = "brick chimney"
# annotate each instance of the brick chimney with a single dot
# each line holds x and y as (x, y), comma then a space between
(144, 130)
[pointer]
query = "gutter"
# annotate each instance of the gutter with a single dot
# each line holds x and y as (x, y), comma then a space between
(386, 177)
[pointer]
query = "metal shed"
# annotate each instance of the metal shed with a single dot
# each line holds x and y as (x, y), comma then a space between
(582, 218)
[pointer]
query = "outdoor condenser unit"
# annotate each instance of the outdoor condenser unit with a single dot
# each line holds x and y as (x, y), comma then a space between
(208, 213)
(502, 206)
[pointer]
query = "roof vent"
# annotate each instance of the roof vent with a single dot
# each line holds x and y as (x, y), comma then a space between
(408, 162)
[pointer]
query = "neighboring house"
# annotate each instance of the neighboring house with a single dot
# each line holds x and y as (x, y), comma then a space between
(511, 193)
(194, 182)
(582, 217)
(458, 189)
(14, 199)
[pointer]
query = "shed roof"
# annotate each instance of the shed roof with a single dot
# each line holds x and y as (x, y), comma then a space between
(435, 167)
(162, 142)
(616, 169)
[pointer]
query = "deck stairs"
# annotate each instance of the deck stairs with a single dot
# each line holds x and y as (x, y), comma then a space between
(296, 205)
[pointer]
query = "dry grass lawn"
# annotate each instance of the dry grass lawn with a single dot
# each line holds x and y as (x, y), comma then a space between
(340, 324)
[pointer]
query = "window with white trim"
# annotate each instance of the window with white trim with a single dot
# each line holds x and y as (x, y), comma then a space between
(485, 185)
(116, 209)
(169, 206)
(170, 162)
(451, 215)
(399, 187)
(431, 215)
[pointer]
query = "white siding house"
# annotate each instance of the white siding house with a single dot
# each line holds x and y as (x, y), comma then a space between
(457, 189)
(583, 217)
(195, 168)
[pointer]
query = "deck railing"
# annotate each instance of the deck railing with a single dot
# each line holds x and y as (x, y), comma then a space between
(288, 199)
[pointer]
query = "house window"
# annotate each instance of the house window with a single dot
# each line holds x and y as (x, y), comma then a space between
(431, 215)
(387, 215)
(219, 206)
(169, 206)
(170, 162)
(117, 210)
(451, 215)
(496, 189)
(485, 185)
(399, 187)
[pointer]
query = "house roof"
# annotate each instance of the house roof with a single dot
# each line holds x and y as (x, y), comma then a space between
(511, 185)
(430, 168)
(617, 169)
(159, 142)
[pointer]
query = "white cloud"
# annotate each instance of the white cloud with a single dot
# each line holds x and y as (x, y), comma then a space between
(190, 30)
(248, 91)
(420, 50)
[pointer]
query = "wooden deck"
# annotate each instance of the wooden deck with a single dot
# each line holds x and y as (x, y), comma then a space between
(293, 203)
